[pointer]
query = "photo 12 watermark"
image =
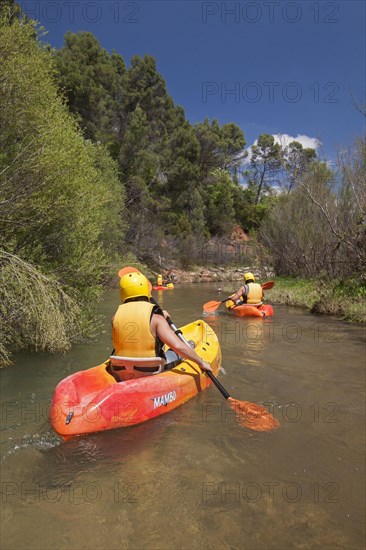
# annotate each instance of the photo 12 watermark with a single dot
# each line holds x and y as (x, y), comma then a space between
(270, 12)
(218, 253)
(290, 412)
(271, 491)
(119, 412)
(237, 332)
(69, 11)
(269, 92)
(70, 492)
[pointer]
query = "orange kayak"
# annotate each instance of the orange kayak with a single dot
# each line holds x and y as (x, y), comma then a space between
(264, 310)
(160, 287)
(92, 400)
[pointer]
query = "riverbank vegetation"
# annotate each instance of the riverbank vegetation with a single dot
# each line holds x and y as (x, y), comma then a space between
(346, 299)
(61, 207)
(99, 167)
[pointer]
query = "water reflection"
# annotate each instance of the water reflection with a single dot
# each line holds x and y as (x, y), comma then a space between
(249, 335)
(109, 447)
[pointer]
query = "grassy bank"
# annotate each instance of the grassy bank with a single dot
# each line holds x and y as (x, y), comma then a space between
(346, 299)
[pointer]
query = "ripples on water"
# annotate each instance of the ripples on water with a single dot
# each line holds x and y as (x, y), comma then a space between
(194, 478)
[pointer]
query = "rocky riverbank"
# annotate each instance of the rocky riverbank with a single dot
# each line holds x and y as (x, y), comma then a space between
(213, 274)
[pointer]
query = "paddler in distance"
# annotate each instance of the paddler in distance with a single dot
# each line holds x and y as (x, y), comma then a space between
(251, 293)
(140, 331)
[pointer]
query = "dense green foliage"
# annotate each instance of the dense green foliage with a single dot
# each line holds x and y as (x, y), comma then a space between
(61, 207)
(179, 178)
(92, 82)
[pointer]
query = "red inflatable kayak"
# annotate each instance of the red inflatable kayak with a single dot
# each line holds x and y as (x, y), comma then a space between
(156, 287)
(169, 286)
(264, 310)
(92, 400)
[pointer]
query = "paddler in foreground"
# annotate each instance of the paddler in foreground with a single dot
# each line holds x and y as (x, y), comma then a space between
(140, 330)
(251, 293)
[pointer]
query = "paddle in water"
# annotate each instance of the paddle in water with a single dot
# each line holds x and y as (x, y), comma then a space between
(248, 414)
(211, 307)
(253, 416)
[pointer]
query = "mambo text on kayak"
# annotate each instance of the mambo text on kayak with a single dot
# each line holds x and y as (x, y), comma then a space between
(165, 399)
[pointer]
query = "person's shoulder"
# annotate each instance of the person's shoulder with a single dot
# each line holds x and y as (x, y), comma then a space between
(157, 317)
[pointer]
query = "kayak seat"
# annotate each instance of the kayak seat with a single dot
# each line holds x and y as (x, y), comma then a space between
(144, 366)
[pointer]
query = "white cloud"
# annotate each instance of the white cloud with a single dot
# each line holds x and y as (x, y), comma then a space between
(285, 139)
(306, 141)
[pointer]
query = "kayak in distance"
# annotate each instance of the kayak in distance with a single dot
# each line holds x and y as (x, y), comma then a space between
(92, 400)
(169, 286)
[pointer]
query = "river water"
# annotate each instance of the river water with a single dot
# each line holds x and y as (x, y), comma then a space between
(194, 478)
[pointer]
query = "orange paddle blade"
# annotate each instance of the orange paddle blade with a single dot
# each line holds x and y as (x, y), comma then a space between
(253, 416)
(130, 269)
(268, 286)
(212, 306)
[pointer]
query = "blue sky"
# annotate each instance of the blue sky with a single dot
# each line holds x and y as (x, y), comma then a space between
(291, 67)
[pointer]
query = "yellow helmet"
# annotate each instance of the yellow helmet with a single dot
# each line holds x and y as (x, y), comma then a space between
(159, 275)
(249, 277)
(133, 285)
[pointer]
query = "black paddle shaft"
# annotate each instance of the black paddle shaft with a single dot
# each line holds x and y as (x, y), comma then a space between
(218, 385)
(210, 374)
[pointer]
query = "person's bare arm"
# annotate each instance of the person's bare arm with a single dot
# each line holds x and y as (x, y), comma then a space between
(238, 295)
(160, 327)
